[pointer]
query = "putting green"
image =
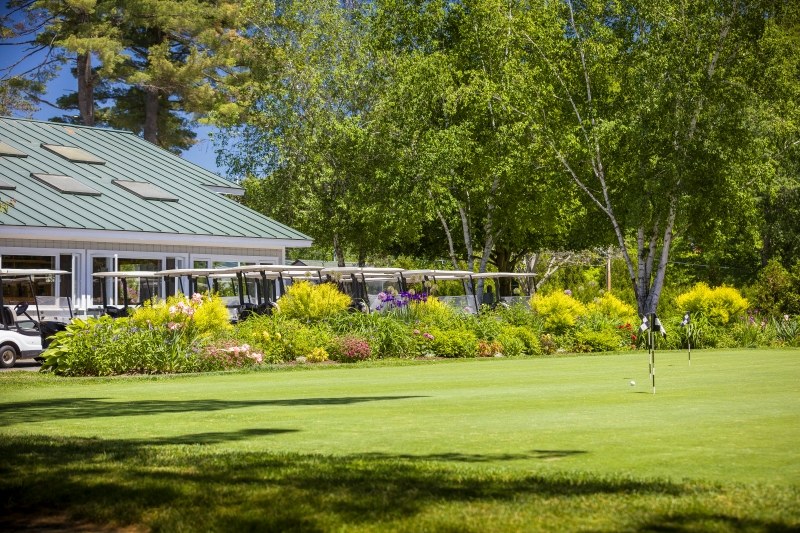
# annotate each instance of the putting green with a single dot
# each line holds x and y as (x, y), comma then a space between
(730, 416)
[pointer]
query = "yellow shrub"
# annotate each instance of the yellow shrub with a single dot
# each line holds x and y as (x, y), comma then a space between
(308, 302)
(203, 314)
(431, 311)
(612, 307)
(559, 310)
(317, 355)
(718, 305)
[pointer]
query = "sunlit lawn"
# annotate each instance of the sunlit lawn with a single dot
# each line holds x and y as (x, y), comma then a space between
(479, 445)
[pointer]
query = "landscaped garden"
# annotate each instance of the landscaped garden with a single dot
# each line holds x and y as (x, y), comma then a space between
(313, 324)
(503, 444)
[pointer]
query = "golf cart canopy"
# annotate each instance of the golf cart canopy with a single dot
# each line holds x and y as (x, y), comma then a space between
(25, 272)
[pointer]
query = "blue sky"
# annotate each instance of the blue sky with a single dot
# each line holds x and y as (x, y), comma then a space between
(202, 153)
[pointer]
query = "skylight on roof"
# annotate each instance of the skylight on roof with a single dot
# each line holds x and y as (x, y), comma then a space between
(10, 151)
(146, 191)
(6, 185)
(74, 154)
(221, 189)
(65, 184)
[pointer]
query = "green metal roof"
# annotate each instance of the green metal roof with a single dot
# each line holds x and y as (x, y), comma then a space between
(125, 157)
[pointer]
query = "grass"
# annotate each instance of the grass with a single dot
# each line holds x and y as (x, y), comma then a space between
(474, 445)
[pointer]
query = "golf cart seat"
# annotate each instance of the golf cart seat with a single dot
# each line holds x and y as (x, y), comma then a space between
(116, 312)
(7, 316)
(266, 308)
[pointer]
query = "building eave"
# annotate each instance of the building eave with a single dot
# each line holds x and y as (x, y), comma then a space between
(175, 239)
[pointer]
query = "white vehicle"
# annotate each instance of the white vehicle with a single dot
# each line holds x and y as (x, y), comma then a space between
(21, 335)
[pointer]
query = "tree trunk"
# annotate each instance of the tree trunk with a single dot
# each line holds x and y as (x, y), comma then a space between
(450, 247)
(338, 251)
(502, 260)
(151, 105)
(85, 89)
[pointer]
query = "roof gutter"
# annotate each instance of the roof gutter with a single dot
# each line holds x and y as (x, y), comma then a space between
(136, 237)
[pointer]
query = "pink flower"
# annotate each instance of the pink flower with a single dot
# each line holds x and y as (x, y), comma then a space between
(172, 310)
(428, 336)
(416, 332)
(173, 326)
(197, 298)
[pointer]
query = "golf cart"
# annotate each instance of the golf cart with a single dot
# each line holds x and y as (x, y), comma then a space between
(497, 297)
(137, 287)
(21, 335)
(192, 276)
(357, 281)
(259, 286)
(429, 279)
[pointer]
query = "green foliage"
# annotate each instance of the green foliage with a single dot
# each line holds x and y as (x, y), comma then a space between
(787, 330)
(105, 346)
(309, 302)
(613, 308)
(524, 340)
(204, 315)
(719, 305)
(434, 312)
(597, 341)
(453, 343)
(558, 310)
(776, 291)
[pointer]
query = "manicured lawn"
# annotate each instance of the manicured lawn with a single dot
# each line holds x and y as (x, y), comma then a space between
(475, 445)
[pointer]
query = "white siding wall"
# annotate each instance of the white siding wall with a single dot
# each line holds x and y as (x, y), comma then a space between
(83, 252)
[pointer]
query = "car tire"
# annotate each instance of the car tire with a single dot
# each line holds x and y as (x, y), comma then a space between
(8, 356)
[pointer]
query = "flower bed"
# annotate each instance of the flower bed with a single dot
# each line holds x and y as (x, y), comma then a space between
(193, 334)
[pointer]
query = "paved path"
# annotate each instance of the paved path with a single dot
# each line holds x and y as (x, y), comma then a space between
(25, 364)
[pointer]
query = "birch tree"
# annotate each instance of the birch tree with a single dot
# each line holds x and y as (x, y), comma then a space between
(649, 122)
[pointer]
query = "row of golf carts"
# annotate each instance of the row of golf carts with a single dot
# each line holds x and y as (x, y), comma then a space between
(29, 319)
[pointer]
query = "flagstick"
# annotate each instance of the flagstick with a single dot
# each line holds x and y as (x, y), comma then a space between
(689, 344)
(652, 321)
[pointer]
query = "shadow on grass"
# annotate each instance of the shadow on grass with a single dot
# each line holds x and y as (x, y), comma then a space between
(544, 455)
(77, 408)
(115, 484)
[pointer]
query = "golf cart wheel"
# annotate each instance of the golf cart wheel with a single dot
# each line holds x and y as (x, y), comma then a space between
(8, 356)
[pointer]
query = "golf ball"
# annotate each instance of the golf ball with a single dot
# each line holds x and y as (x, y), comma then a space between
(633, 383)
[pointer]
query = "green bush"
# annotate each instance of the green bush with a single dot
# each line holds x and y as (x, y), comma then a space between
(273, 336)
(104, 346)
(518, 314)
(487, 326)
(719, 305)
(387, 335)
(558, 310)
(308, 340)
(606, 340)
(530, 344)
(309, 303)
(776, 292)
(612, 308)
(433, 313)
(227, 354)
(454, 343)
(202, 314)
(786, 330)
